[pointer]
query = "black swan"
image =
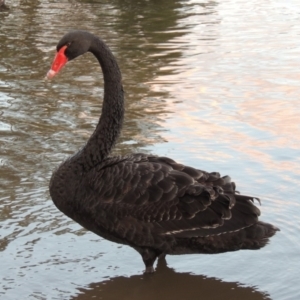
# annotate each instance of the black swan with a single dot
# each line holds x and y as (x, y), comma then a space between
(153, 204)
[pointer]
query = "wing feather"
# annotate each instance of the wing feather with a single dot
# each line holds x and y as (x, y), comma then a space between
(144, 198)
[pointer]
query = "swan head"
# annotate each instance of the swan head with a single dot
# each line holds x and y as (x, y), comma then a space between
(72, 45)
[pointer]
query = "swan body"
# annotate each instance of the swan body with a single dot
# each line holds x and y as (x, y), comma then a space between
(153, 204)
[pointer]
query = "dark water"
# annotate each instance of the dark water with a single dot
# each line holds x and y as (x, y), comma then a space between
(213, 84)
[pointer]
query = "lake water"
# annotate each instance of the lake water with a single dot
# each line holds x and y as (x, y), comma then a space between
(211, 84)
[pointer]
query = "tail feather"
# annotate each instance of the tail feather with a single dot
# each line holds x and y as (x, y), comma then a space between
(253, 237)
(257, 235)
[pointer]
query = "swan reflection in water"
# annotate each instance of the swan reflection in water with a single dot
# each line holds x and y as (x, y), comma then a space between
(3, 6)
(167, 284)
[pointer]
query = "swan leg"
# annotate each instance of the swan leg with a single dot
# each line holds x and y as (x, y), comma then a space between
(149, 257)
(162, 257)
(162, 263)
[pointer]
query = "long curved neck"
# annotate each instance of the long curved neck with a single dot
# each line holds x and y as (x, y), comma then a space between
(108, 129)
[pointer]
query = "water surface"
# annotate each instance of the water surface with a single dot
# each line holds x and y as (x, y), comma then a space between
(212, 84)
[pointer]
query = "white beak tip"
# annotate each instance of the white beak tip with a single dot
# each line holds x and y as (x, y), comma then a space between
(50, 74)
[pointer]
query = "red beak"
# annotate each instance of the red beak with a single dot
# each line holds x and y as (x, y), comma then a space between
(59, 61)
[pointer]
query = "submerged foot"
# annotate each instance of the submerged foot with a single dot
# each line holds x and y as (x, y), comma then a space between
(149, 270)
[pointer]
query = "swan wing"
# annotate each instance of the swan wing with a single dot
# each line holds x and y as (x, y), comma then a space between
(146, 198)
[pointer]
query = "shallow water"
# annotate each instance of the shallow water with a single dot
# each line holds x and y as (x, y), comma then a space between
(212, 84)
